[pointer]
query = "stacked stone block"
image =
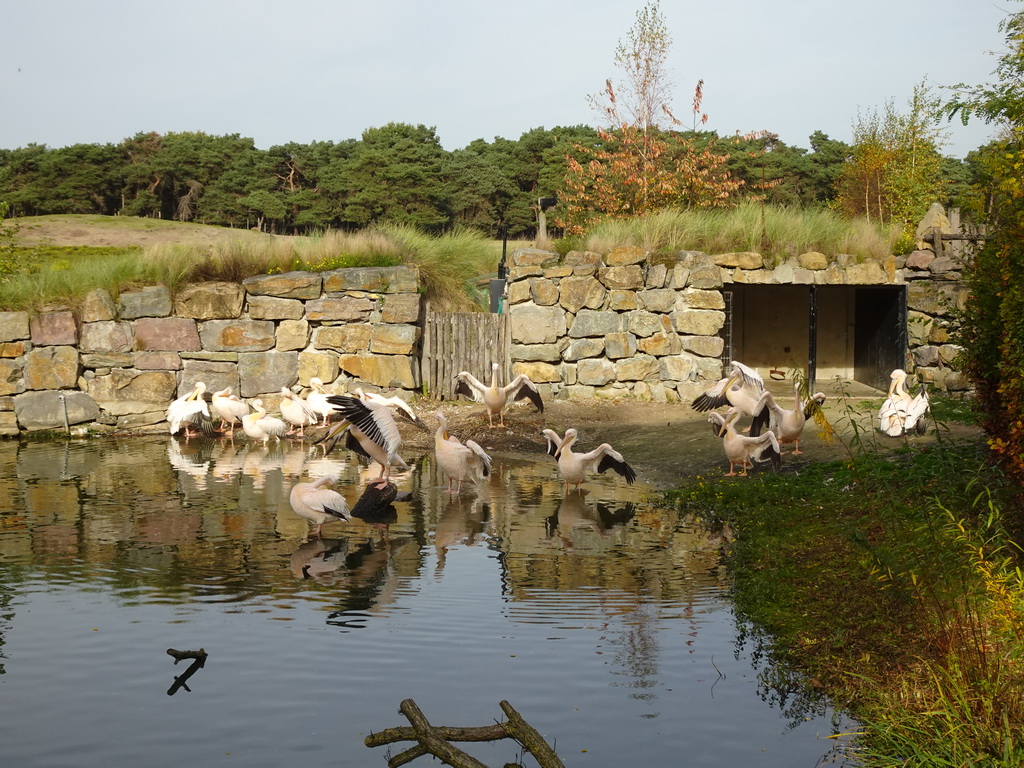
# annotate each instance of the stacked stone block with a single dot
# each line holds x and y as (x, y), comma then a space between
(119, 363)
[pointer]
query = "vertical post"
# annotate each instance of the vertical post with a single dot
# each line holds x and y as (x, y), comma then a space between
(812, 338)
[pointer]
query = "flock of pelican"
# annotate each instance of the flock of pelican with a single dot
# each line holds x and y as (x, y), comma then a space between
(369, 428)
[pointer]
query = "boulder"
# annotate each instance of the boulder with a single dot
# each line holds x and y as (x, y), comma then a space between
(537, 325)
(351, 338)
(97, 305)
(168, 334)
(14, 326)
(400, 279)
(237, 335)
(53, 329)
(739, 260)
(629, 278)
(46, 410)
(538, 372)
(210, 301)
(124, 390)
(589, 322)
(400, 308)
(289, 285)
(317, 364)
(394, 339)
(386, 371)
(153, 301)
(698, 322)
(619, 345)
(214, 374)
(263, 372)
(273, 308)
(580, 349)
(12, 377)
(544, 292)
(109, 336)
(577, 292)
(625, 255)
(51, 368)
(334, 308)
(292, 334)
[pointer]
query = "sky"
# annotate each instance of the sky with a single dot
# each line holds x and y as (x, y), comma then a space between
(77, 72)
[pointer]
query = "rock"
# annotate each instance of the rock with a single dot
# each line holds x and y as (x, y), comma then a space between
(595, 372)
(263, 372)
(538, 372)
(109, 336)
(577, 292)
(109, 360)
(14, 348)
(14, 326)
(292, 334)
(657, 275)
(53, 329)
(619, 345)
(543, 292)
(153, 301)
(381, 370)
(214, 374)
(399, 279)
(12, 377)
(580, 349)
(935, 220)
(351, 338)
(532, 257)
(51, 368)
(237, 336)
(739, 260)
(867, 273)
(589, 322)
(657, 299)
(695, 298)
(273, 308)
(625, 255)
(289, 285)
(537, 325)
(705, 276)
(546, 353)
(636, 368)
(642, 323)
(394, 339)
(705, 346)
(622, 301)
(919, 260)
(813, 260)
(629, 278)
(45, 410)
(348, 308)
(210, 301)
(127, 391)
(148, 361)
(660, 344)
(317, 364)
(170, 334)
(401, 308)
(582, 259)
(698, 322)
(97, 305)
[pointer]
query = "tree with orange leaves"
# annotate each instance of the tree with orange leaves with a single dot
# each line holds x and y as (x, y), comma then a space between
(639, 166)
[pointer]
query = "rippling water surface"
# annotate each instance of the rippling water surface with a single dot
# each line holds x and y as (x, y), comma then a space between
(601, 617)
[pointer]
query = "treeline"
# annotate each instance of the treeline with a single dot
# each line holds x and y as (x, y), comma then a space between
(398, 173)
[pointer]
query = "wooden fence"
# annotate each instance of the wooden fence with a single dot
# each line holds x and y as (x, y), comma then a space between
(462, 341)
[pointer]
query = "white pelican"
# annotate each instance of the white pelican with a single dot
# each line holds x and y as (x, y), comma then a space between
(917, 410)
(316, 399)
(574, 467)
(787, 425)
(740, 389)
(318, 504)
(495, 397)
(457, 461)
(259, 426)
(370, 430)
(228, 408)
(743, 450)
(296, 412)
(396, 404)
(191, 410)
(902, 413)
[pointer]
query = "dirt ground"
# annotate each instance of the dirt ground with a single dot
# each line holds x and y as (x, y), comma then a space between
(667, 443)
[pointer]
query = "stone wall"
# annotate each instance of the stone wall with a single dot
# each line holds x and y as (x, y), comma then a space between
(624, 326)
(118, 364)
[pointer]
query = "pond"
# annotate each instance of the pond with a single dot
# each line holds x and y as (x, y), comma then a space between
(601, 617)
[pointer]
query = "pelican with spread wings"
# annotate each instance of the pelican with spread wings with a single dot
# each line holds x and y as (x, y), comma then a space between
(497, 398)
(743, 450)
(740, 389)
(574, 467)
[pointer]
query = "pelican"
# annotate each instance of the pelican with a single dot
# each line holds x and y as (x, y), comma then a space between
(397, 405)
(318, 504)
(228, 408)
(191, 410)
(902, 413)
(743, 450)
(316, 399)
(740, 389)
(370, 430)
(259, 426)
(574, 467)
(457, 461)
(296, 412)
(787, 425)
(495, 397)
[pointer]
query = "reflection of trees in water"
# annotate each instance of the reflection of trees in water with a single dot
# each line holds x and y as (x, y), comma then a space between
(779, 684)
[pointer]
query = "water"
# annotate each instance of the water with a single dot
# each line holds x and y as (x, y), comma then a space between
(602, 618)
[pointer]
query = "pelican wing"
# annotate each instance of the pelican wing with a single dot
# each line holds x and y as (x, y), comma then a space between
(467, 384)
(713, 397)
(750, 377)
(767, 413)
(765, 448)
(327, 501)
(372, 420)
(483, 459)
(522, 388)
(603, 458)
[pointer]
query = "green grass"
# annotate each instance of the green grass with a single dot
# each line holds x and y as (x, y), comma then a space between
(890, 580)
(775, 232)
(63, 275)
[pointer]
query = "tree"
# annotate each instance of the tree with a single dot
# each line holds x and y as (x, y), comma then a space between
(895, 170)
(992, 322)
(635, 167)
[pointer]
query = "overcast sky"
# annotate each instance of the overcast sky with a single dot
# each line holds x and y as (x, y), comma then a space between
(311, 70)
